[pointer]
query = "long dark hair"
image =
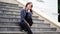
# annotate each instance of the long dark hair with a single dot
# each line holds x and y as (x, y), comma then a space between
(31, 6)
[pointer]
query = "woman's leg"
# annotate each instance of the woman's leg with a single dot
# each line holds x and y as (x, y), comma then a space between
(26, 28)
(21, 26)
(30, 21)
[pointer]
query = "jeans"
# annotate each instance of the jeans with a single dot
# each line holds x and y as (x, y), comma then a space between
(25, 27)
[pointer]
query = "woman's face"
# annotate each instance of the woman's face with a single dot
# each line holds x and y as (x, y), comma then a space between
(29, 6)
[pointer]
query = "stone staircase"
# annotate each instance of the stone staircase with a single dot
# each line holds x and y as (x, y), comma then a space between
(10, 17)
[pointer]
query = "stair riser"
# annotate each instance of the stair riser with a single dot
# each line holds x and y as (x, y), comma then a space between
(9, 29)
(14, 5)
(34, 26)
(43, 30)
(2, 2)
(18, 20)
(16, 24)
(13, 33)
(11, 16)
(9, 13)
(41, 25)
(10, 7)
(35, 33)
(10, 10)
(18, 29)
(14, 13)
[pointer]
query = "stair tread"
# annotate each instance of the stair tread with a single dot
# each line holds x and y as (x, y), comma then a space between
(2, 6)
(33, 23)
(18, 22)
(8, 3)
(14, 14)
(16, 17)
(32, 27)
(10, 10)
(25, 32)
(11, 32)
(36, 19)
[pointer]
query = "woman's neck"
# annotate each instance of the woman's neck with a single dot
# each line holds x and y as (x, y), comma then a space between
(26, 8)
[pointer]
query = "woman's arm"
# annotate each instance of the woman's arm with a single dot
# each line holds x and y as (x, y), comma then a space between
(22, 17)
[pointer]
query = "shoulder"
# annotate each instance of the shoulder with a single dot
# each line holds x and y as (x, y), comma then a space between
(22, 9)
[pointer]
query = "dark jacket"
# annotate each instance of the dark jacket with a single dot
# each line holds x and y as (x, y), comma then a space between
(25, 21)
(23, 14)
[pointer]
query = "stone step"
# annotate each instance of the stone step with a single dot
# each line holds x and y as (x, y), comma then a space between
(4, 5)
(12, 32)
(16, 24)
(43, 29)
(8, 22)
(3, 12)
(17, 28)
(17, 21)
(9, 13)
(41, 25)
(16, 11)
(38, 25)
(13, 15)
(18, 17)
(19, 32)
(9, 4)
(10, 8)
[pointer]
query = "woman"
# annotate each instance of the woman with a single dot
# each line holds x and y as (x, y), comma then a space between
(26, 18)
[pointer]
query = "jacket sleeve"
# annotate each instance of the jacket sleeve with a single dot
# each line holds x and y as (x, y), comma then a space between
(22, 15)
